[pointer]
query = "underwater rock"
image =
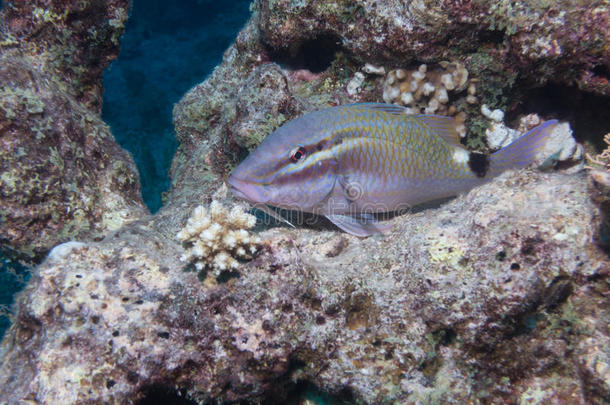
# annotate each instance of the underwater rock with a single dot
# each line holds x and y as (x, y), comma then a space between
(63, 175)
(263, 104)
(540, 41)
(73, 41)
(497, 295)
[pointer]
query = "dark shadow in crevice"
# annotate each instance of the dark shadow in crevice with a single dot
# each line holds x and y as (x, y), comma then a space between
(601, 70)
(162, 395)
(315, 55)
(495, 37)
(587, 113)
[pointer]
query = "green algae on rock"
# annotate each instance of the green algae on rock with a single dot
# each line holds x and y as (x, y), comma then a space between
(71, 40)
(63, 176)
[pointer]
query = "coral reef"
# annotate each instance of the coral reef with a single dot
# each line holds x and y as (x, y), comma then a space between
(538, 40)
(497, 296)
(494, 296)
(63, 175)
(217, 237)
(600, 164)
(71, 40)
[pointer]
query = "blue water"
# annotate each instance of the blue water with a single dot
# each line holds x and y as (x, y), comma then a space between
(12, 279)
(167, 48)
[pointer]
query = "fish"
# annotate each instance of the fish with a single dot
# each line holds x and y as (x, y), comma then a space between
(352, 162)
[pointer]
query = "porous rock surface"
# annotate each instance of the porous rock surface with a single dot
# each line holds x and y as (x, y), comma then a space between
(71, 40)
(541, 40)
(497, 296)
(62, 174)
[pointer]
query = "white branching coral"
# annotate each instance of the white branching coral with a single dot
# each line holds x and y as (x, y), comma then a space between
(216, 237)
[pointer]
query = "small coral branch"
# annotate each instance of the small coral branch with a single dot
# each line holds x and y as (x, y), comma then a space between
(215, 237)
(600, 164)
(603, 159)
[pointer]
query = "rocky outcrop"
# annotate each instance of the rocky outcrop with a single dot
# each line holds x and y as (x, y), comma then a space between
(497, 296)
(63, 175)
(73, 41)
(538, 40)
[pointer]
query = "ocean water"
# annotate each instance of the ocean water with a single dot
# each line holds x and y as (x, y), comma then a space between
(13, 277)
(167, 48)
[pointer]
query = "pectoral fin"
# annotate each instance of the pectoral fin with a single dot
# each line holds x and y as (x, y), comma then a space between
(361, 225)
(272, 213)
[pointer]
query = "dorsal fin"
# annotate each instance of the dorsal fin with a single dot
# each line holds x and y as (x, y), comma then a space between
(442, 126)
(387, 108)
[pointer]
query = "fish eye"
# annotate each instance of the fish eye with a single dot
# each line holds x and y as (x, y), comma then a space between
(297, 153)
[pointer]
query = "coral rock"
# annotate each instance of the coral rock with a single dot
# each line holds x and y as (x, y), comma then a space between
(496, 296)
(475, 299)
(63, 175)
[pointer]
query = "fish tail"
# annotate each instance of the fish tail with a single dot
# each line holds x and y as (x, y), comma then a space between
(522, 151)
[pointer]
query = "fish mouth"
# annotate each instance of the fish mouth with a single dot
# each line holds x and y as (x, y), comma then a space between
(245, 190)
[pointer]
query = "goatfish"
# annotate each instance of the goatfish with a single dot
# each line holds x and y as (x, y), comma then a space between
(352, 162)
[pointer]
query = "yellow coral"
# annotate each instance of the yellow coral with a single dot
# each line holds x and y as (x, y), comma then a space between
(216, 237)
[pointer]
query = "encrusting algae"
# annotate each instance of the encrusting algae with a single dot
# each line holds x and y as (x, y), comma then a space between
(216, 238)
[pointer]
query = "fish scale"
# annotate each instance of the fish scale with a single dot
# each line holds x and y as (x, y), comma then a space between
(346, 162)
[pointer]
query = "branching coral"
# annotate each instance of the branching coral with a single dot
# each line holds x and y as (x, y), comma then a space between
(216, 237)
(600, 164)
(428, 90)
